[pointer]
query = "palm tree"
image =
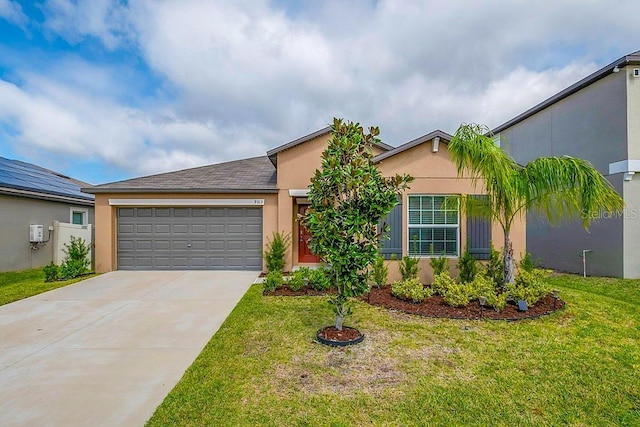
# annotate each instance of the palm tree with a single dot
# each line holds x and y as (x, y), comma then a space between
(560, 187)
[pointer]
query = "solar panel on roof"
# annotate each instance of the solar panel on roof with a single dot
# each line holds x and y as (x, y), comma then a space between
(21, 175)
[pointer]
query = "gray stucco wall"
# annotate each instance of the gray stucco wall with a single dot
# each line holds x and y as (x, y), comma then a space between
(590, 124)
(16, 214)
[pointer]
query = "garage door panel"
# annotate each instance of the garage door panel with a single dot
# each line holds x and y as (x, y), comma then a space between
(184, 238)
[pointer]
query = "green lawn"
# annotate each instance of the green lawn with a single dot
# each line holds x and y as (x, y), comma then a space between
(580, 366)
(16, 285)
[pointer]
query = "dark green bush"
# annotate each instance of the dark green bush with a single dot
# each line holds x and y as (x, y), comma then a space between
(379, 272)
(468, 267)
(297, 280)
(527, 263)
(51, 272)
(273, 281)
(495, 268)
(409, 268)
(411, 290)
(276, 251)
(439, 265)
(319, 279)
(76, 261)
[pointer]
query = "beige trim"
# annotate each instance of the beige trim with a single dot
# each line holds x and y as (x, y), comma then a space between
(186, 202)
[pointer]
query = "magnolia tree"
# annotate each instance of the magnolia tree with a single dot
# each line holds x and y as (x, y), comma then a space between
(348, 198)
(560, 187)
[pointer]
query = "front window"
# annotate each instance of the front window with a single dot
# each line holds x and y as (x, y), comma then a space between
(433, 226)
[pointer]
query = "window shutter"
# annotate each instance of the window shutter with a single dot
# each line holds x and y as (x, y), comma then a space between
(392, 246)
(479, 237)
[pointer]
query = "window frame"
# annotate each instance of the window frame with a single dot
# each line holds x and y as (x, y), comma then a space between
(432, 226)
(83, 211)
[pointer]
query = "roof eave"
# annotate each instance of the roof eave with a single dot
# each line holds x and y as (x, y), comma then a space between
(632, 59)
(181, 191)
(8, 191)
(408, 145)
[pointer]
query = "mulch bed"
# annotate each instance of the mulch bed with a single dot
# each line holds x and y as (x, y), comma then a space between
(330, 333)
(436, 307)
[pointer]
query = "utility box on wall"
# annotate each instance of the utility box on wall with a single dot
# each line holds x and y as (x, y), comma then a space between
(36, 233)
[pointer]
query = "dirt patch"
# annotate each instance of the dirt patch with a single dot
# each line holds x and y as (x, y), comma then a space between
(436, 307)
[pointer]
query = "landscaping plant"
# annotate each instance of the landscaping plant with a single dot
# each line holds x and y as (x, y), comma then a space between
(348, 197)
(527, 263)
(494, 268)
(559, 187)
(276, 251)
(76, 261)
(319, 279)
(468, 267)
(409, 268)
(439, 265)
(297, 280)
(51, 272)
(273, 281)
(379, 272)
(411, 290)
(529, 286)
(441, 282)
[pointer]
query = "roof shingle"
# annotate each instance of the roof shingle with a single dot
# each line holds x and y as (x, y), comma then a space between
(257, 175)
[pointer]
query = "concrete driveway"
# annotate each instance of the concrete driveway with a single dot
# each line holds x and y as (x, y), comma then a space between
(106, 351)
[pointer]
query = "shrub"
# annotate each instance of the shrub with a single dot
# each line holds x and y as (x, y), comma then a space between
(411, 290)
(529, 286)
(276, 251)
(51, 272)
(296, 280)
(409, 268)
(527, 263)
(457, 295)
(76, 261)
(379, 272)
(497, 301)
(495, 269)
(442, 282)
(319, 280)
(273, 281)
(480, 286)
(439, 265)
(468, 267)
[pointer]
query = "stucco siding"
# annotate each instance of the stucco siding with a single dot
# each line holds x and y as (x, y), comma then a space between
(17, 214)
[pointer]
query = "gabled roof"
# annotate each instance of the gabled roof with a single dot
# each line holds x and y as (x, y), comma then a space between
(631, 59)
(255, 175)
(272, 154)
(28, 180)
(445, 137)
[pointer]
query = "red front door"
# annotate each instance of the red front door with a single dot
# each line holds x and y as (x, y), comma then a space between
(304, 253)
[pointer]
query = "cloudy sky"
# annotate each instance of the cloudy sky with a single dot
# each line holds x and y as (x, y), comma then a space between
(105, 90)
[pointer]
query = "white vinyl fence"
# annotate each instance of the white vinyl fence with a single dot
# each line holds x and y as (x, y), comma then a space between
(62, 233)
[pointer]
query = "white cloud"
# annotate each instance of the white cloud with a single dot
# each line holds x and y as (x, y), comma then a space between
(248, 76)
(12, 12)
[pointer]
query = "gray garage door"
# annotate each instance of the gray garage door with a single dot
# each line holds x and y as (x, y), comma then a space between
(189, 238)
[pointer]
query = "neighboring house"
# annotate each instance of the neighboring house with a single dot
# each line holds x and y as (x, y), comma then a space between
(597, 119)
(31, 195)
(222, 216)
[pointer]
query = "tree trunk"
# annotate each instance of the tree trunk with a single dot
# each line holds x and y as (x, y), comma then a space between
(339, 322)
(508, 263)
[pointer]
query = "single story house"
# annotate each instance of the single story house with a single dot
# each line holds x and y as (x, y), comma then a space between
(222, 216)
(35, 196)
